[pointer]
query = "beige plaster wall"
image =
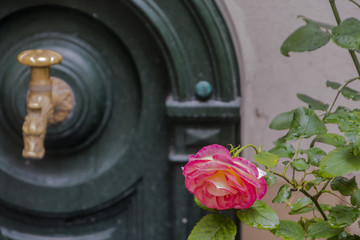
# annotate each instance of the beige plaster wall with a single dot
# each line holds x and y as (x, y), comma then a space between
(269, 80)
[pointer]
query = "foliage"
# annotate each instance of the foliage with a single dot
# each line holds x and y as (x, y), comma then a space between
(308, 168)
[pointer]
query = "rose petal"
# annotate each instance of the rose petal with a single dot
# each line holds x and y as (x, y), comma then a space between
(246, 177)
(244, 163)
(218, 192)
(214, 165)
(208, 151)
(193, 166)
(261, 173)
(235, 181)
(199, 174)
(219, 186)
(246, 198)
(223, 158)
(261, 191)
(196, 180)
(225, 202)
(205, 197)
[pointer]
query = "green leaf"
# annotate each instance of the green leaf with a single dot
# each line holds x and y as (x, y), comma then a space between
(342, 216)
(318, 180)
(315, 155)
(285, 163)
(214, 227)
(348, 122)
(301, 203)
(355, 198)
(301, 211)
(347, 34)
(308, 185)
(339, 162)
(333, 139)
(345, 186)
(325, 207)
(270, 179)
(267, 159)
(350, 93)
(290, 230)
(342, 109)
(333, 85)
(321, 229)
(305, 124)
(313, 103)
(259, 216)
(282, 121)
(300, 165)
(280, 140)
(305, 38)
(345, 236)
(320, 24)
(284, 150)
(283, 195)
(203, 206)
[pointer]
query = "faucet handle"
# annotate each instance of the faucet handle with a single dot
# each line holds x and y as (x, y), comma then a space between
(39, 58)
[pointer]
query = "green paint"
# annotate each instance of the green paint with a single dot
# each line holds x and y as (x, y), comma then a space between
(107, 166)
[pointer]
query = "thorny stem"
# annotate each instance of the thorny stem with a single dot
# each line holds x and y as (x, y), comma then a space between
(314, 200)
(338, 21)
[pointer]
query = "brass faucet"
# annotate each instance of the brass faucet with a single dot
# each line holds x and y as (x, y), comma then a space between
(50, 100)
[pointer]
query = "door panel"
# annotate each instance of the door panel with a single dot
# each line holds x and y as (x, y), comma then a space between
(112, 169)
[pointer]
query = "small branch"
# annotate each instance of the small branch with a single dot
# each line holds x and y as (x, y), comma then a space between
(339, 91)
(338, 21)
(280, 175)
(325, 185)
(298, 149)
(355, 60)
(286, 168)
(335, 11)
(314, 200)
(355, 3)
(237, 153)
(329, 192)
(293, 178)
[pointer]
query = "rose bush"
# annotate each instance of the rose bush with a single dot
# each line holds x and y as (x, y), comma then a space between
(310, 172)
(221, 182)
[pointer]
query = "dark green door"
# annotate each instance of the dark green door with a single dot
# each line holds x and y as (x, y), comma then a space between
(153, 81)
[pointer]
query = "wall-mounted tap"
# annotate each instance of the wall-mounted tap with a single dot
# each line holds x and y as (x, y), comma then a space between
(50, 100)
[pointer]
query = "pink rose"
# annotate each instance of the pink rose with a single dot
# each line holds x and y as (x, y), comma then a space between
(219, 181)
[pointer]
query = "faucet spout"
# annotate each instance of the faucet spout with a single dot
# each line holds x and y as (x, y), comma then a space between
(44, 98)
(35, 125)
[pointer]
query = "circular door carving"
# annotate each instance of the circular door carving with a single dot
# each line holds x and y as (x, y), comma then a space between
(89, 147)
